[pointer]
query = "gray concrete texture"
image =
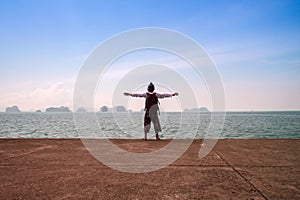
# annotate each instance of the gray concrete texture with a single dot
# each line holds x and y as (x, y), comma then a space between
(234, 169)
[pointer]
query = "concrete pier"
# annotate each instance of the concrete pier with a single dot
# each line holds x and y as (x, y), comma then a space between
(234, 169)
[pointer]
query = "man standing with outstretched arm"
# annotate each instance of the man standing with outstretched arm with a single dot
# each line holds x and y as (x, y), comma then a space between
(151, 108)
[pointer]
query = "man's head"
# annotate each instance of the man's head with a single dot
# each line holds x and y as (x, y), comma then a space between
(150, 87)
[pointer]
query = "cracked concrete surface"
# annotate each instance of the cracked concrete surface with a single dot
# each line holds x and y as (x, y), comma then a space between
(234, 169)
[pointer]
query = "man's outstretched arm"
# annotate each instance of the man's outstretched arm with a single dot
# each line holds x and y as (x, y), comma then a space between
(161, 96)
(134, 95)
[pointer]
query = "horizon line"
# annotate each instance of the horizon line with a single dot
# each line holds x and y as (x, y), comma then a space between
(133, 111)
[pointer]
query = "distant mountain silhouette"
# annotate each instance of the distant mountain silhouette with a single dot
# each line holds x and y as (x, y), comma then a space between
(58, 109)
(13, 109)
(114, 109)
(119, 109)
(104, 109)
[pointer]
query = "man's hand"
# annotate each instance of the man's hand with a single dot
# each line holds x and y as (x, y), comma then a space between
(127, 94)
(175, 94)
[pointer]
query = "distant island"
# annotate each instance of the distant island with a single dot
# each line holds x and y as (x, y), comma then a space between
(13, 109)
(103, 109)
(114, 109)
(58, 109)
(201, 109)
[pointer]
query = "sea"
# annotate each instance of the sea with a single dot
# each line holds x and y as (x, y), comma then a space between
(129, 125)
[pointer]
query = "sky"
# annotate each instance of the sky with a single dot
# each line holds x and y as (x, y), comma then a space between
(255, 45)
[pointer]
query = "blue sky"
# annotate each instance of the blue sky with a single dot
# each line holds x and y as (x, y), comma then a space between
(254, 44)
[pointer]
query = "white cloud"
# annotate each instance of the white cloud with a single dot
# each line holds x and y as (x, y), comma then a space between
(56, 94)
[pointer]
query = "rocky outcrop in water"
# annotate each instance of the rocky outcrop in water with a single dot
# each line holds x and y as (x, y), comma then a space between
(104, 109)
(58, 109)
(13, 109)
(119, 109)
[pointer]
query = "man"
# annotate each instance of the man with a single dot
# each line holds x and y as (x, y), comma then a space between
(151, 108)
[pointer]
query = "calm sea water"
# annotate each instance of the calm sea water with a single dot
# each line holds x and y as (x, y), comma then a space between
(130, 125)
